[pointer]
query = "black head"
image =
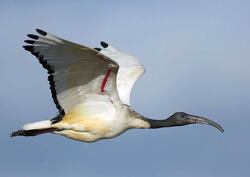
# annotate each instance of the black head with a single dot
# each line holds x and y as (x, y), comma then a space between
(182, 118)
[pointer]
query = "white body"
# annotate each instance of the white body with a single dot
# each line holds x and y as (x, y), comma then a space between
(93, 120)
(92, 88)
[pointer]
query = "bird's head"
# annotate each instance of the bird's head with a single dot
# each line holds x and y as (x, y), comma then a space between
(182, 118)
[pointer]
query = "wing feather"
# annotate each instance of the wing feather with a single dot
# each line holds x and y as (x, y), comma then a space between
(75, 72)
(130, 70)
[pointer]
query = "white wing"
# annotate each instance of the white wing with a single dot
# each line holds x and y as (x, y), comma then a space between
(76, 73)
(130, 70)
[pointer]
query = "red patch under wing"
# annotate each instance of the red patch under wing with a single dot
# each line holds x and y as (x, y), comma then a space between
(105, 80)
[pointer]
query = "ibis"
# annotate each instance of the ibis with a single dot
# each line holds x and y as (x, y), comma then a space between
(91, 89)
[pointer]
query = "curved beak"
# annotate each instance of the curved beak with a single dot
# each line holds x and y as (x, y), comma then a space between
(202, 120)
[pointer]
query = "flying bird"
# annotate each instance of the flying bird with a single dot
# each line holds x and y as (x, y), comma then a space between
(91, 89)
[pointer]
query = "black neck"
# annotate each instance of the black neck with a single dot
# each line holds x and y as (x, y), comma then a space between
(160, 123)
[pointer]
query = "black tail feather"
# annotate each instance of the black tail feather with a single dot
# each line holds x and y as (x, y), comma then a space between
(32, 132)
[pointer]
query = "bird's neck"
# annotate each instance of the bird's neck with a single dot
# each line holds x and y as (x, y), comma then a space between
(159, 123)
(139, 121)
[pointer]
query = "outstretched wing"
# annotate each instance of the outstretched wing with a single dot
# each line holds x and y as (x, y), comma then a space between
(130, 70)
(76, 72)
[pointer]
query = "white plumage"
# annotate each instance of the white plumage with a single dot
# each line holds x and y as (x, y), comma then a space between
(37, 125)
(129, 71)
(91, 89)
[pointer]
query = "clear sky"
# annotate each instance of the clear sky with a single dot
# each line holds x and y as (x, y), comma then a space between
(197, 59)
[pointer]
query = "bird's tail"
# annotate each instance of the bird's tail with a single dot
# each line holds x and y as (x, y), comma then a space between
(34, 129)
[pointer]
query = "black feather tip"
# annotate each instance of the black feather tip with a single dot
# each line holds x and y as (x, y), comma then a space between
(43, 33)
(32, 36)
(28, 48)
(98, 49)
(104, 44)
(29, 41)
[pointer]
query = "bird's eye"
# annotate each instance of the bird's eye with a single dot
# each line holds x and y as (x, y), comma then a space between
(182, 115)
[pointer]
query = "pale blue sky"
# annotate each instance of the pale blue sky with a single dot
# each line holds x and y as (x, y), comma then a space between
(197, 59)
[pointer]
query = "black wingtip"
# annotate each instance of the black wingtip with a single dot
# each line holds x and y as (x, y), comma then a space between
(104, 44)
(29, 41)
(43, 33)
(36, 54)
(28, 47)
(98, 49)
(32, 36)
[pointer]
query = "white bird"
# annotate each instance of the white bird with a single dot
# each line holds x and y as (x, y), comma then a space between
(91, 89)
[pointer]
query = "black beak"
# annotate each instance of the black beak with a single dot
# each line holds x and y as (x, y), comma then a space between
(202, 120)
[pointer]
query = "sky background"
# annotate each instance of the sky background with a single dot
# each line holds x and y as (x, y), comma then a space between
(197, 60)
